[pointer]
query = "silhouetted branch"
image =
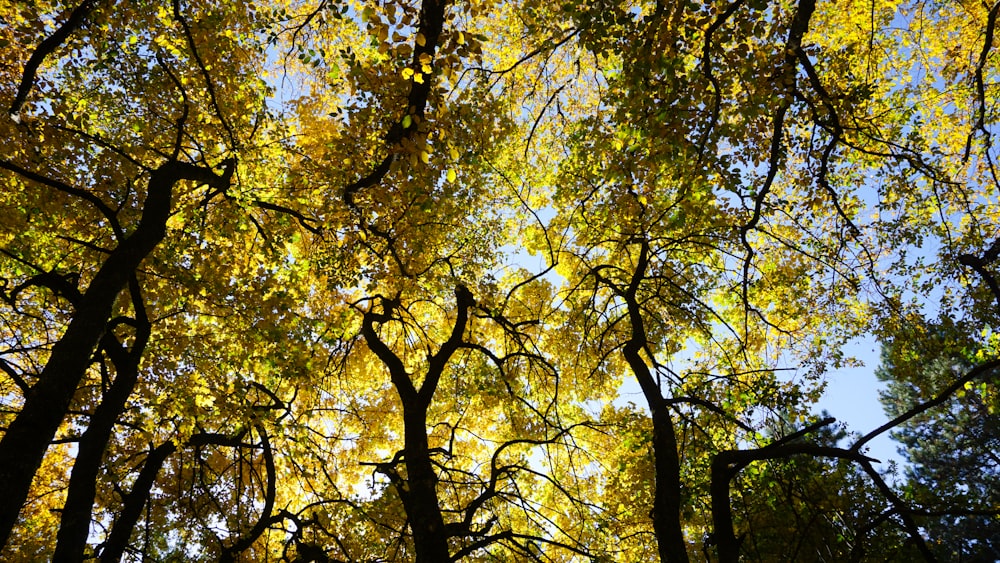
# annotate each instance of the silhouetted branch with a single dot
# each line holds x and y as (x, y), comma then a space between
(48, 45)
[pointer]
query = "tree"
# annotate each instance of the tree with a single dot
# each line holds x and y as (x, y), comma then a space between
(367, 281)
(952, 471)
(829, 511)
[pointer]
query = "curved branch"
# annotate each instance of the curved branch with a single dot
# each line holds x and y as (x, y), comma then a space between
(991, 22)
(266, 518)
(901, 509)
(706, 66)
(710, 406)
(436, 363)
(727, 464)
(929, 404)
(798, 28)
(76, 19)
(204, 71)
(979, 263)
(90, 198)
(63, 285)
(397, 370)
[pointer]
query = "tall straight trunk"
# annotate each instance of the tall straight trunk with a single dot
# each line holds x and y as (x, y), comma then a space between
(422, 506)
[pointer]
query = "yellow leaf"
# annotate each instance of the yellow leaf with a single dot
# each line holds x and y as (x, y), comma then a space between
(418, 78)
(421, 40)
(451, 175)
(453, 153)
(407, 73)
(425, 157)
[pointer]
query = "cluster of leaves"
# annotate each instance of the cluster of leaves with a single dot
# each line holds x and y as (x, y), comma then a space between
(376, 281)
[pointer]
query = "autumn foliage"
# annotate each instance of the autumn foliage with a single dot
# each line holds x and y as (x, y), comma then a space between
(512, 281)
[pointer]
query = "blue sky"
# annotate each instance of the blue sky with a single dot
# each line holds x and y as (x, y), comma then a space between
(852, 397)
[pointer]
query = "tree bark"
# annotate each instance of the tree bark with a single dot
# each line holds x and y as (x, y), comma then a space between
(666, 511)
(132, 507)
(422, 506)
(24, 444)
(418, 490)
(74, 524)
(76, 18)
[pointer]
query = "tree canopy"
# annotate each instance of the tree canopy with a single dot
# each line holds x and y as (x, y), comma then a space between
(494, 281)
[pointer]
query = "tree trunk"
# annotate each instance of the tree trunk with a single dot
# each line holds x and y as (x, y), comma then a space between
(422, 507)
(28, 437)
(666, 512)
(132, 507)
(74, 525)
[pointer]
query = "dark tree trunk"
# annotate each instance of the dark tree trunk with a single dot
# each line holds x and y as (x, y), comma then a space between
(666, 511)
(418, 490)
(74, 525)
(28, 437)
(422, 506)
(132, 507)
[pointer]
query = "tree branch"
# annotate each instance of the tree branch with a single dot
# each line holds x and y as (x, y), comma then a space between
(48, 45)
